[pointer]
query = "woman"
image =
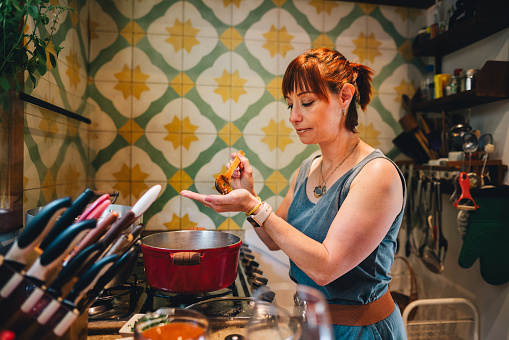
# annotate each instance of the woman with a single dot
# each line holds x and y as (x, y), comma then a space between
(339, 220)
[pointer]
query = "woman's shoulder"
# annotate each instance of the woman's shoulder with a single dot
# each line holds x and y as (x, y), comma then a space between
(379, 171)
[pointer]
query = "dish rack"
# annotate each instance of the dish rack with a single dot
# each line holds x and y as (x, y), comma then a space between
(444, 318)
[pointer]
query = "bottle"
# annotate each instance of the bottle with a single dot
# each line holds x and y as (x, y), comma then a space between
(436, 19)
(455, 83)
(429, 88)
(471, 74)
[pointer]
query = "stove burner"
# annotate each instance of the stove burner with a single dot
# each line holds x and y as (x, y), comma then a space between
(99, 307)
(156, 298)
(116, 302)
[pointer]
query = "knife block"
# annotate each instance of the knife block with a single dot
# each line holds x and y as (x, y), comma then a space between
(78, 330)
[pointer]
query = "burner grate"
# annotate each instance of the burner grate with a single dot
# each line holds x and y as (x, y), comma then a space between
(116, 302)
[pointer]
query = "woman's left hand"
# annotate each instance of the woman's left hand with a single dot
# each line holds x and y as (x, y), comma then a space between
(236, 200)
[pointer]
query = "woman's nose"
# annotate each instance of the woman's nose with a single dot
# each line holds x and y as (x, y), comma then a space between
(295, 115)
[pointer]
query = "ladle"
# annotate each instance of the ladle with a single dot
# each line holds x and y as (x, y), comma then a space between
(223, 181)
(470, 145)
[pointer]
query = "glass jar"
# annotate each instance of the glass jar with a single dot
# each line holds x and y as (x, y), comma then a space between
(470, 77)
(455, 81)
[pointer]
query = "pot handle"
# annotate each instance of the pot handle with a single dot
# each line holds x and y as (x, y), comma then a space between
(186, 258)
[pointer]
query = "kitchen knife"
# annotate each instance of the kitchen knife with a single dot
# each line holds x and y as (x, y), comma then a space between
(98, 211)
(132, 215)
(56, 311)
(94, 214)
(68, 217)
(73, 267)
(89, 279)
(95, 234)
(146, 200)
(20, 286)
(122, 264)
(41, 297)
(93, 206)
(50, 258)
(125, 240)
(67, 320)
(34, 232)
(59, 249)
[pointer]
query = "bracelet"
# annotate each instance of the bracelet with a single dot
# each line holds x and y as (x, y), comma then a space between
(252, 211)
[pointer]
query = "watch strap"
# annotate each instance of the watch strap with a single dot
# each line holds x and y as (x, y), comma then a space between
(258, 219)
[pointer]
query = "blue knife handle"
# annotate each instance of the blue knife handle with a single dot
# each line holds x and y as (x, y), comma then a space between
(37, 224)
(72, 268)
(62, 242)
(68, 217)
(89, 279)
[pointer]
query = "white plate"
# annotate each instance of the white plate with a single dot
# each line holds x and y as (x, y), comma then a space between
(126, 330)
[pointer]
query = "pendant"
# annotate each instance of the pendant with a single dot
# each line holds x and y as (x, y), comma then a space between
(319, 191)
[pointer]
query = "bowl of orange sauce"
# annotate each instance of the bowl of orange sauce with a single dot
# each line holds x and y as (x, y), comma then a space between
(172, 324)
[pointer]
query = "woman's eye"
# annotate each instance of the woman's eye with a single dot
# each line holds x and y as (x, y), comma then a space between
(289, 107)
(307, 104)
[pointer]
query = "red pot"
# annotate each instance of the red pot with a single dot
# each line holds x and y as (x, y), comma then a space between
(191, 261)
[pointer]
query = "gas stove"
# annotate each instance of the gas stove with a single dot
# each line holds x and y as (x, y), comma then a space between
(118, 304)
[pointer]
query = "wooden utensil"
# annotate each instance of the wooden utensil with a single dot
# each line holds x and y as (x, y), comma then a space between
(223, 181)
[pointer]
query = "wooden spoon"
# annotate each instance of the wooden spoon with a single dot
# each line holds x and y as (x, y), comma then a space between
(223, 181)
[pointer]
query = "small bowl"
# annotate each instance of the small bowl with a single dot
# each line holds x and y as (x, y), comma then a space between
(173, 323)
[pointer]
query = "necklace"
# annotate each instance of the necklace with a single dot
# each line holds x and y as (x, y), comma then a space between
(321, 189)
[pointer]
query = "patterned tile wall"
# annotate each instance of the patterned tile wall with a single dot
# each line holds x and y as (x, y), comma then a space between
(175, 86)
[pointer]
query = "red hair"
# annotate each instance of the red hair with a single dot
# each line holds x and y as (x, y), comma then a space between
(321, 70)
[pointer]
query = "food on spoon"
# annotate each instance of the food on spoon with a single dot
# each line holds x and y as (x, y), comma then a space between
(223, 181)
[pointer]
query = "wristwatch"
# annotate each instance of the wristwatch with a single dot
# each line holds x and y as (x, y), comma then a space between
(258, 219)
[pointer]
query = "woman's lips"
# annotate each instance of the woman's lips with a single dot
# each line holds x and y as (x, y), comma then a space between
(301, 131)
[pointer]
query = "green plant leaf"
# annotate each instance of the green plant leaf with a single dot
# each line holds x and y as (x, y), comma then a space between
(41, 69)
(4, 83)
(15, 4)
(52, 60)
(33, 11)
(32, 78)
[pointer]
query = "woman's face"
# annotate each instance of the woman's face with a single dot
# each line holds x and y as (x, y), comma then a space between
(315, 120)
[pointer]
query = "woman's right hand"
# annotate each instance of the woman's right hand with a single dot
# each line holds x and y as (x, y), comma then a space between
(242, 177)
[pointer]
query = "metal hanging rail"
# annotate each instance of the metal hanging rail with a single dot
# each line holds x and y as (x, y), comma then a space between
(44, 104)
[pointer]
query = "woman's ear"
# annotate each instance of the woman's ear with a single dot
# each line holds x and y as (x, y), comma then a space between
(347, 92)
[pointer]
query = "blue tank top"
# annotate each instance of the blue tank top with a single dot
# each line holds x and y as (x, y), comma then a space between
(369, 280)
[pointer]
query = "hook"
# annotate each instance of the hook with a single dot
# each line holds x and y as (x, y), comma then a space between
(465, 194)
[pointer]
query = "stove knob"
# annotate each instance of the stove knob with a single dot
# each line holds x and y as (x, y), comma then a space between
(258, 280)
(246, 257)
(266, 295)
(253, 270)
(245, 250)
(250, 263)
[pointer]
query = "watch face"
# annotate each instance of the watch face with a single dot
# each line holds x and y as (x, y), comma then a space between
(253, 222)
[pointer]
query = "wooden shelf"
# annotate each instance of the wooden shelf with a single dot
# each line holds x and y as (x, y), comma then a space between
(495, 168)
(490, 17)
(492, 84)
